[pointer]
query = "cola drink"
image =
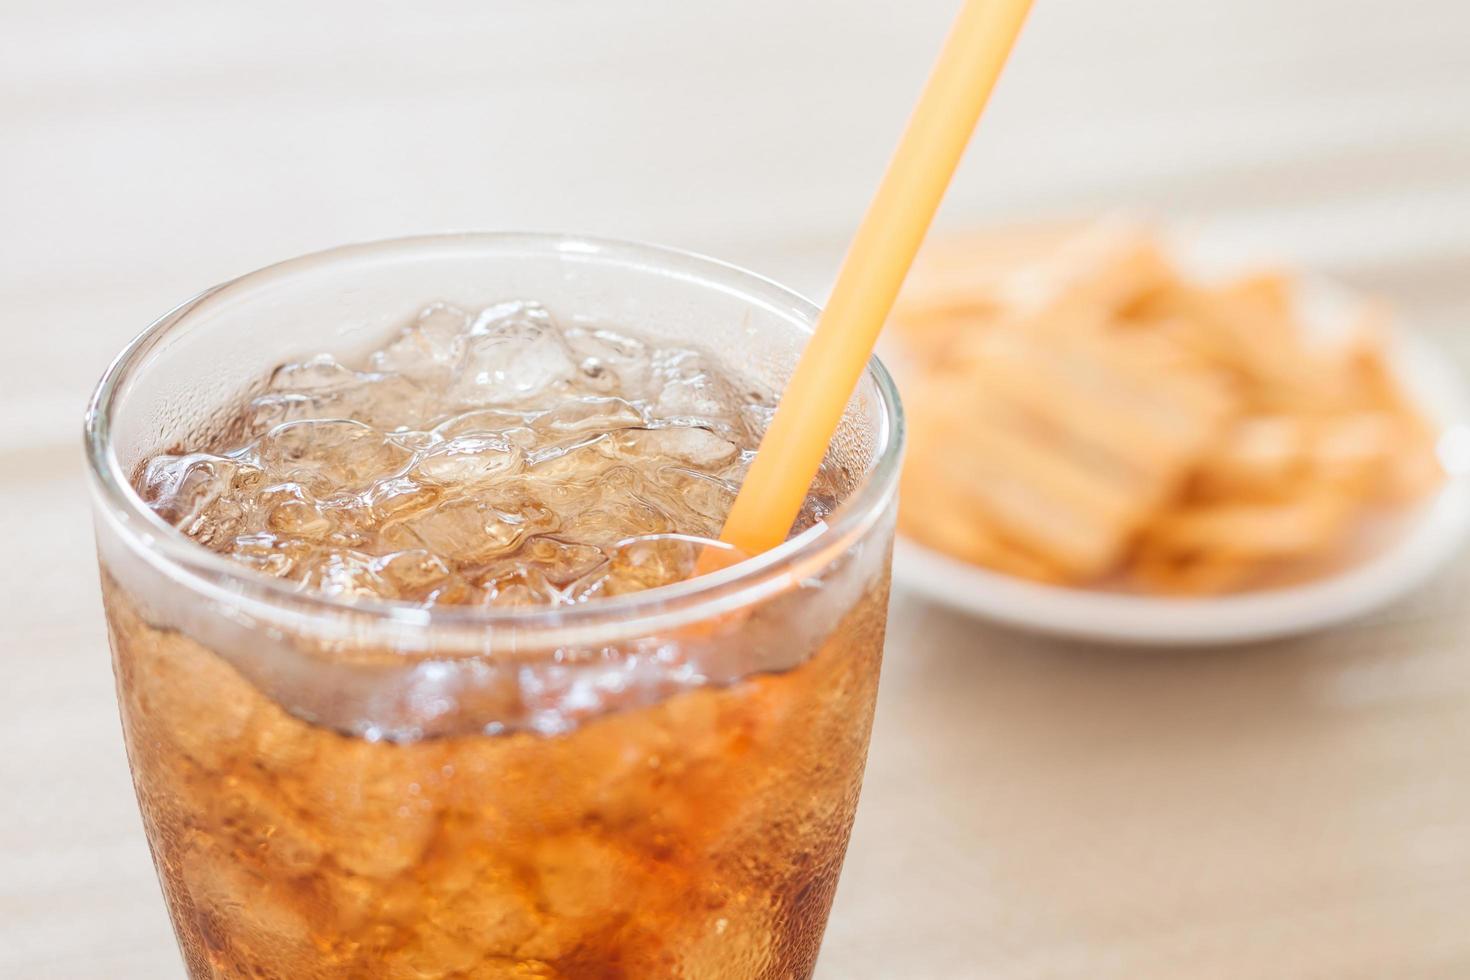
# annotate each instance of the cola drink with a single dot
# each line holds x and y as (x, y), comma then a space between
(448, 703)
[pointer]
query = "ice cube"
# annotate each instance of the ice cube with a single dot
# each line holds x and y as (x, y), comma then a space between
(434, 952)
(385, 401)
(513, 352)
(582, 874)
(207, 731)
(578, 456)
(428, 349)
(468, 461)
(618, 506)
(413, 574)
(299, 519)
(414, 440)
(652, 560)
(609, 345)
(205, 496)
(815, 508)
(560, 561)
(441, 474)
(577, 416)
(395, 498)
(452, 591)
(690, 444)
(636, 564)
(261, 823)
(390, 402)
(519, 587)
(487, 902)
(699, 493)
(758, 413)
(320, 373)
(471, 529)
(479, 421)
(282, 745)
(331, 456)
(608, 360)
(345, 573)
(692, 392)
(373, 823)
(266, 552)
(262, 914)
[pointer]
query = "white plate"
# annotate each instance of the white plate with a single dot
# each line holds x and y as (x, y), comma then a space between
(1423, 541)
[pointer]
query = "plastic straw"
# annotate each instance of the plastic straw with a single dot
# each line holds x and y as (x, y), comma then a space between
(874, 269)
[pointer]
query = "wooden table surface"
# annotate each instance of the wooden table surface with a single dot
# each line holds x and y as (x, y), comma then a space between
(1033, 809)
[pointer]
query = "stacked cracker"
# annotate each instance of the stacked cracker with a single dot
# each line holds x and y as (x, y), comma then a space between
(1082, 413)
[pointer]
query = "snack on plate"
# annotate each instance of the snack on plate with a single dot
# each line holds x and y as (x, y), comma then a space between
(1083, 413)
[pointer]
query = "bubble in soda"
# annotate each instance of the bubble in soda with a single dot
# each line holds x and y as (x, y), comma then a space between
(490, 458)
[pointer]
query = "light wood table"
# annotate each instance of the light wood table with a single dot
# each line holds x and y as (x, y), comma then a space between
(1033, 809)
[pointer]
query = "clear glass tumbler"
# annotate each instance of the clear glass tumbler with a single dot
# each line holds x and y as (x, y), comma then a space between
(658, 784)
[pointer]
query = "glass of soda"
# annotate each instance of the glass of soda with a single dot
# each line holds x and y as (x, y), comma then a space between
(397, 546)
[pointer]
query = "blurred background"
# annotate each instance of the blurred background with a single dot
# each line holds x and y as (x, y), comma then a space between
(1288, 810)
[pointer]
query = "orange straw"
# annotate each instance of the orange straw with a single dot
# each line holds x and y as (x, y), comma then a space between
(876, 263)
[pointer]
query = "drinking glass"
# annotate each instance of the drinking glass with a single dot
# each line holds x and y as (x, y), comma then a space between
(658, 784)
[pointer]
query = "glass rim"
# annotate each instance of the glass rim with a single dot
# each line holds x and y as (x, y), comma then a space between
(744, 583)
